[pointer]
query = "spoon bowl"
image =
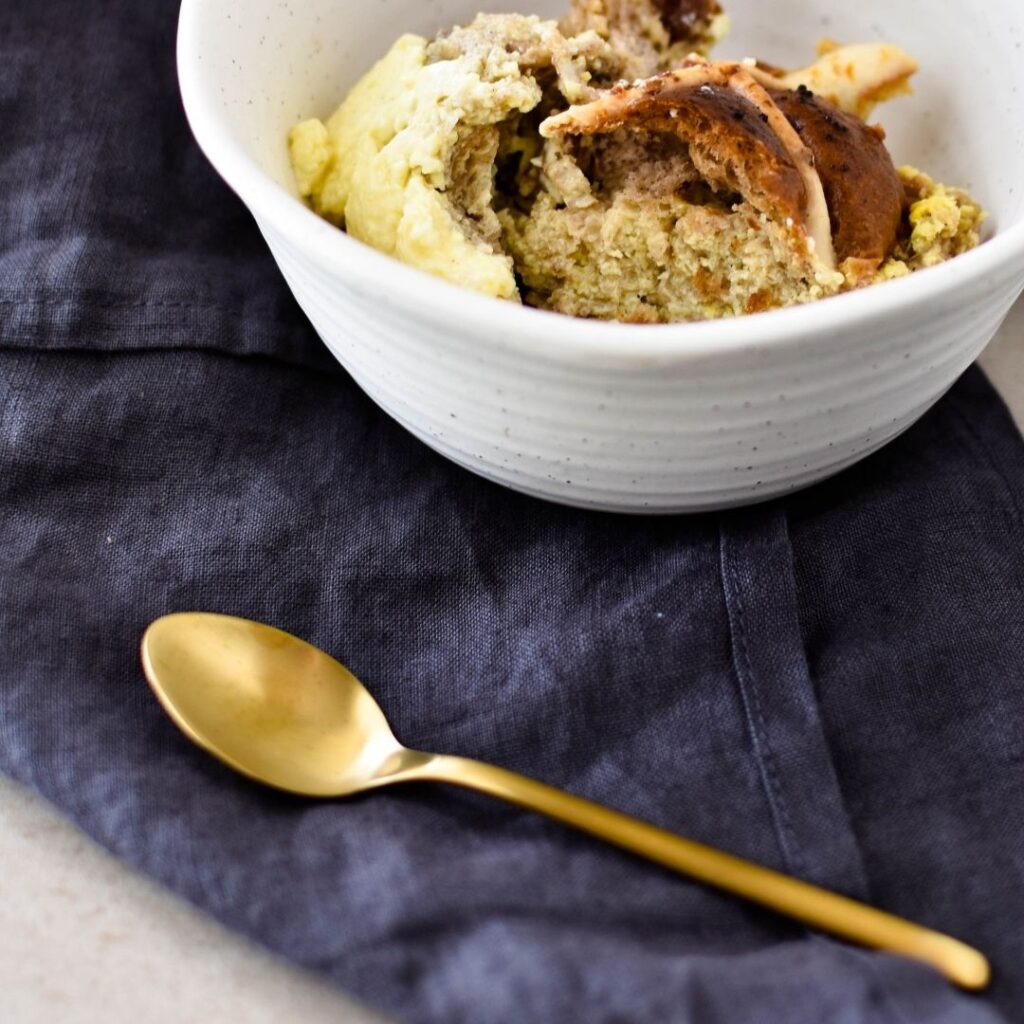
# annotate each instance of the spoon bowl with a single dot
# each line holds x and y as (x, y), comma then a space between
(288, 715)
(269, 705)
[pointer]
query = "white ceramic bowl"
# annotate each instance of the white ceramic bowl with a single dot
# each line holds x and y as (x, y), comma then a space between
(630, 418)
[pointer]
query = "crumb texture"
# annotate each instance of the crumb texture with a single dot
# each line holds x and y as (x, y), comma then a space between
(604, 166)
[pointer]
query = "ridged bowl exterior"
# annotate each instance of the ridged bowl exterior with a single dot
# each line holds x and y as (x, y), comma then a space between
(626, 418)
(677, 434)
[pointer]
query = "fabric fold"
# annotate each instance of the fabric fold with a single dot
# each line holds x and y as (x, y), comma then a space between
(591, 651)
(829, 685)
(780, 707)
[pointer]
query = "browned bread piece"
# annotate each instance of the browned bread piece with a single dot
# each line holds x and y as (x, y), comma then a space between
(738, 138)
(645, 36)
(687, 20)
(792, 155)
(862, 188)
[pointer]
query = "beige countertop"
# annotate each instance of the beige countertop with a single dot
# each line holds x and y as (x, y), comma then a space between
(85, 940)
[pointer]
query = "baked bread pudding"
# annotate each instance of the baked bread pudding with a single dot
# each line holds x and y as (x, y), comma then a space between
(606, 166)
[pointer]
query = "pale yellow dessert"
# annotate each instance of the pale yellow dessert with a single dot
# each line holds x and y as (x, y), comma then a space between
(511, 156)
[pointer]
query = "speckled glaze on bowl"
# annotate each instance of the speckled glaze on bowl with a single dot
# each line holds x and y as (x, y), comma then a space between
(628, 418)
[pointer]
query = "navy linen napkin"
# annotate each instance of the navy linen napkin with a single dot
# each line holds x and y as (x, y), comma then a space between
(833, 685)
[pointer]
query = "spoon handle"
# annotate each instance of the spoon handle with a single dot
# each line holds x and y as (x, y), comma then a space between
(808, 903)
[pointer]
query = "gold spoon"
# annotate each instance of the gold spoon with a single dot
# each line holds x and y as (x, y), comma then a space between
(286, 714)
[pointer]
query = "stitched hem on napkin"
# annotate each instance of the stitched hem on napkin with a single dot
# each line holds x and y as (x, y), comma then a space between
(255, 325)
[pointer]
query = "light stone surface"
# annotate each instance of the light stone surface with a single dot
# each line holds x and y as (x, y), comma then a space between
(1004, 362)
(85, 940)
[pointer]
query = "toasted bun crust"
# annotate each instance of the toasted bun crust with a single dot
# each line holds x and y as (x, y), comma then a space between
(737, 136)
(862, 188)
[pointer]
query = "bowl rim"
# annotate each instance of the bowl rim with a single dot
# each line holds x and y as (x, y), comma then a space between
(994, 264)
